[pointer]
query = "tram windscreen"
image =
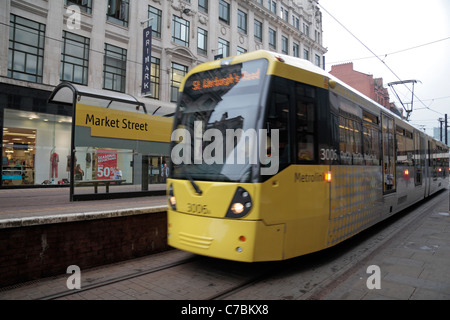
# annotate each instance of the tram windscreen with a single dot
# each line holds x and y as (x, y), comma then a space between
(215, 123)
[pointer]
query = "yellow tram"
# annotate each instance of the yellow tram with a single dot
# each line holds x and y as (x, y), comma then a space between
(273, 158)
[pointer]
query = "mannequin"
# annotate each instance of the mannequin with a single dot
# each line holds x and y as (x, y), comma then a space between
(54, 159)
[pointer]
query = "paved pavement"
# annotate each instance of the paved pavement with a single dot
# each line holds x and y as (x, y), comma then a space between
(41, 202)
(413, 264)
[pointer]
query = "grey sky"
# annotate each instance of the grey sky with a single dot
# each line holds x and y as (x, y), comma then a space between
(387, 27)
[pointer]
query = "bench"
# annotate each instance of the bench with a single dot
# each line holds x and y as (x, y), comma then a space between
(96, 183)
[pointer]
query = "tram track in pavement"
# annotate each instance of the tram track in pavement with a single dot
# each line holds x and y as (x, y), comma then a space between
(210, 279)
(118, 279)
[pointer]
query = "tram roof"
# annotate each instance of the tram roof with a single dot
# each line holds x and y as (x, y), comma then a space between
(305, 65)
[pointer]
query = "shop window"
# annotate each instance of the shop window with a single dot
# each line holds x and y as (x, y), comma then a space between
(35, 146)
(18, 156)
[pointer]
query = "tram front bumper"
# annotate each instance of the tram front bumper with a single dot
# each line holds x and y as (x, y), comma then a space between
(231, 239)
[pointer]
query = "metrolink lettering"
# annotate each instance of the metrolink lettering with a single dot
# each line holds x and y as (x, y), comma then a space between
(115, 123)
(315, 177)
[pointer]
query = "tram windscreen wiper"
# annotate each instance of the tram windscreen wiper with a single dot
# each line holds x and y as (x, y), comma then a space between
(194, 185)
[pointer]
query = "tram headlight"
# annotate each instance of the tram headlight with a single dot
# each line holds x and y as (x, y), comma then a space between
(241, 204)
(171, 198)
(237, 208)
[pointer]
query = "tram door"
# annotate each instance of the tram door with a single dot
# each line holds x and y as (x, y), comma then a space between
(388, 134)
(419, 159)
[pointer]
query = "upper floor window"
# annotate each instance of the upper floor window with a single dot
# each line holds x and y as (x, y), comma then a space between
(202, 41)
(26, 49)
(223, 47)
(272, 5)
(224, 11)
(241, 50)
(306, 54)
(317, 60)
(296, 50)
(284, 45)
(284, 14)
(258, 30)
(118, 11)
(178, 73)
(114, 68)
(155, 78)
(242, 21)
(180, 31)
(156, 14)
(306, 29)
(203, 5)
(296, 22)
(84, 5)
(272, 38)
(75, 58)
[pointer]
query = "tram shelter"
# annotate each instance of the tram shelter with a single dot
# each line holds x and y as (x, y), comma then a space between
(117, 149)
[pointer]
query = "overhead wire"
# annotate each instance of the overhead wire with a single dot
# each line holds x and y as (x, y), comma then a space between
(374, 54)
(391, 53)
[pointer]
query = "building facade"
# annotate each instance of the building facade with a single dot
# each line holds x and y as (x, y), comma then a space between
(99, 44)
(366, 84)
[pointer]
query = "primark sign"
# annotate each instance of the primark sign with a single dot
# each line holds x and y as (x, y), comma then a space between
(146, 61)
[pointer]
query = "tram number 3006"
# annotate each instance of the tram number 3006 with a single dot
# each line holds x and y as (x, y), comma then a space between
(328, 154)
(197, 208)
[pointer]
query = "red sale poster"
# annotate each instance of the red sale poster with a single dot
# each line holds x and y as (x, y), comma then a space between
(106, 164)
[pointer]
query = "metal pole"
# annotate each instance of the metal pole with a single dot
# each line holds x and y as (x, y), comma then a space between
(446, 130)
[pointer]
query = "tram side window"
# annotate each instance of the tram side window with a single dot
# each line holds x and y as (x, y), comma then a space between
(305, 98)
(350, 140)
(442, 161)
(278, 118)
(445, 162)
(350, 132)
(371, 143)
(418, 158)
(405, 147)
(388, 133)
